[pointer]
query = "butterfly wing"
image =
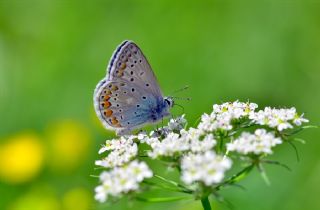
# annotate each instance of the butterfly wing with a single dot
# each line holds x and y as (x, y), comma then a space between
(123, 107)
(129, 63)
(124, 100)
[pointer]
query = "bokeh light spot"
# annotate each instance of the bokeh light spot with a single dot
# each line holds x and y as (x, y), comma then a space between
(38, 198)
(21, 158)
(69, 143)
(77, 198)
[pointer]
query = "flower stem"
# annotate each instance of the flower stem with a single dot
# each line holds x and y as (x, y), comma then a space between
(205, 203)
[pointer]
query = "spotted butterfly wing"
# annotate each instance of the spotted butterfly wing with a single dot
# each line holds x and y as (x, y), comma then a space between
(129, 96)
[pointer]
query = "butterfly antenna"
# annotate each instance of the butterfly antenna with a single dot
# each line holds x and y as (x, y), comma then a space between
(179, 90)
(181, 98)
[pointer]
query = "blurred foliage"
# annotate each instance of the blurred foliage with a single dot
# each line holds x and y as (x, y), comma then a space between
(52, 54)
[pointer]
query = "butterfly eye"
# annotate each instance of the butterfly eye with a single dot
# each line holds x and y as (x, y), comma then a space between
(168, 102)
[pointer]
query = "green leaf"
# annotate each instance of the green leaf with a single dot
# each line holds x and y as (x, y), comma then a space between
(222, 200)
(165, 199)
(241, 174)
(298, 130)
(172, 183)
(98, 168)
(302, 141)
(237, 177)
(310, 126)
(295, 149)
(263, 174)
(166, 187)
(276, 163)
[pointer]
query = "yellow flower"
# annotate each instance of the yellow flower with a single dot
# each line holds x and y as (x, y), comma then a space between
(21, 158)
(69, 142)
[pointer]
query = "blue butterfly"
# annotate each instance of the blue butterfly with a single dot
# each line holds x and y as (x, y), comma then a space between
(129, 96)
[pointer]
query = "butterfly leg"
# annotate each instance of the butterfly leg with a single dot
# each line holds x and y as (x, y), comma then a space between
(172, 116)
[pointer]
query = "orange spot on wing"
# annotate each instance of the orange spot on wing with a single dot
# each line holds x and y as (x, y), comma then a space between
(107, 104)
(120, 73)
(114, 121)
(107, 92)
(123, 66)
(114, 87)
(108, 112)
(117, 125)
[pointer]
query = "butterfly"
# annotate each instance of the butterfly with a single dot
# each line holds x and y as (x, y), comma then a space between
(129, 96)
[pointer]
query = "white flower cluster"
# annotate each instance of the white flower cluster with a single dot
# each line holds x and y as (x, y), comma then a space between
(175, 144)
(169, 146)
(260, 142)
(121, 151)
(223, 114)
(193, 148)
(121, 180)
(207, 167)
(278, 118)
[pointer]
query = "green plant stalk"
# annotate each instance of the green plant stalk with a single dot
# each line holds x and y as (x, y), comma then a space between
(165, 199)
(205, 203)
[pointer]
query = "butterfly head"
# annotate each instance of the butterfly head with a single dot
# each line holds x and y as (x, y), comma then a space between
(169, 102)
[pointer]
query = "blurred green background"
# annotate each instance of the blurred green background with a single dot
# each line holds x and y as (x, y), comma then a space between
(53, 53)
